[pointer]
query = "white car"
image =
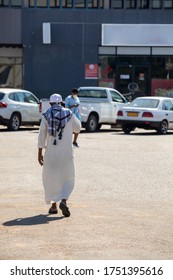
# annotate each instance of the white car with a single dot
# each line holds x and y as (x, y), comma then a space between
(18, 107)
(150, 112)
(99, 105)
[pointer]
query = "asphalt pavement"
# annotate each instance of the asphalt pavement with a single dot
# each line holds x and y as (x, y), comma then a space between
(121, 207)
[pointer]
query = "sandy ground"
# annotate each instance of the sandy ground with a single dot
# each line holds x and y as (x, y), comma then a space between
(121, 207)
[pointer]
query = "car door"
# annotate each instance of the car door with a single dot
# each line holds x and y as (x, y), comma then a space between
(105, 108)
(28, 106)
(167, 107)
(21, 106)
(117, 102)
(32, 104)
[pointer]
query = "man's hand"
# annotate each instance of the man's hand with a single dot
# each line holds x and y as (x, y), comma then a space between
(73, 106)
(40, 156)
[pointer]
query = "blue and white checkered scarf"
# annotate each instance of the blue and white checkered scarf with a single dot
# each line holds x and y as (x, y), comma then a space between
(57, 118)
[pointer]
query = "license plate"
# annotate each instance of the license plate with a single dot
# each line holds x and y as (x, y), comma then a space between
(132, 114)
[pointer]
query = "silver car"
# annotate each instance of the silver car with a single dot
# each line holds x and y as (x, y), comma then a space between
(18, 107)
(149, 112)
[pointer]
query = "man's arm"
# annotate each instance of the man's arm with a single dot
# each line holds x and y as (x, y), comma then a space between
(40, 156)
(67, 104)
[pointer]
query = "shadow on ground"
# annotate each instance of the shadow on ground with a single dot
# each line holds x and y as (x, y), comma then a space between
(145, 133)
(35, 220)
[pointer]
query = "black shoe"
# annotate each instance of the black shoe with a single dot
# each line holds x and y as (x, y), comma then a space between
(51, 211)
(75, 144)
(64, 209)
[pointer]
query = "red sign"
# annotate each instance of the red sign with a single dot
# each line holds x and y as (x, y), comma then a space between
(91, 71)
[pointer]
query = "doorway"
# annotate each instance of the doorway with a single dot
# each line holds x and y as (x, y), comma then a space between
(134, 79)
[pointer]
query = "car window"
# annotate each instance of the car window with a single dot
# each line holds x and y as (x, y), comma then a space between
(29, 98)
(1, 95)
(116, 97)
(92, 93)
(167, 105)
(13, 96)
(145, 103)
(20, 96)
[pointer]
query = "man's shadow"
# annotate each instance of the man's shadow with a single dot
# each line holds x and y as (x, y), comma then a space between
(30, 221)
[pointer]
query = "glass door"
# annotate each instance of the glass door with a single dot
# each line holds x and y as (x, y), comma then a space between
(123, 79)
(133, 80)
(141, 78)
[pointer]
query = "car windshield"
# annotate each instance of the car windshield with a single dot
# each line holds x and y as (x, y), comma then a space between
(1, 95)
(92, 93)
(145, 103)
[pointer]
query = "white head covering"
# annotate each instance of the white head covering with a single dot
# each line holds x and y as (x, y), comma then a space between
(55, 98)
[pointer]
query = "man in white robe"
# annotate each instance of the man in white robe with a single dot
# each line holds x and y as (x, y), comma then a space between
(55, 136)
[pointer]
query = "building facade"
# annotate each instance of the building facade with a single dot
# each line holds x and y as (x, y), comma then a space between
(52, 46)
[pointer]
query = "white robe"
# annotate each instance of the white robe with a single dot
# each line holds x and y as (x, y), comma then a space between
(58, 172)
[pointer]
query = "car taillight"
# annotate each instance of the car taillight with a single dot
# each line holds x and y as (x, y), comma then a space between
(120, 113)
(3, 105)
(147, 115)
(40, 107)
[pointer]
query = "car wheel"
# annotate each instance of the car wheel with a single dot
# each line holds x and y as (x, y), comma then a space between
(127, 129)
(163, 128)
(14, 123)
(92, 123)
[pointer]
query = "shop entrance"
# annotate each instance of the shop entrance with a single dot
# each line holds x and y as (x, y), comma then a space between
(134, 79)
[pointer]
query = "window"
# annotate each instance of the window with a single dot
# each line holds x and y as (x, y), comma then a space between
(41, 3)
(67, 3)
(11, 71)
(131, 4)
(16, 3)
(162, 68)
(1, 95)
(29, 98)
(89, 93)
(26, 97)
(107, 69)
(54, 3)
(20, 97)
(95, 4)
(168, 4)
(80, 3)
(31, 3)
(38, 3)
(4, 2)
(117, 4)
(144, 4)
(13, 96)
(156, 4)
(167, 105)
(116, 97)
(145, 103)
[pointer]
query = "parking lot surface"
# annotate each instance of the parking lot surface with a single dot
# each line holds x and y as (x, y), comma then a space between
(121, 207)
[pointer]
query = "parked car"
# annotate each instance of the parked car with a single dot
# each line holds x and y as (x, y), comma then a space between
(98, 105)
(18, 107)
(149, 112)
